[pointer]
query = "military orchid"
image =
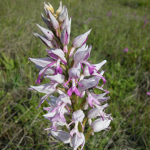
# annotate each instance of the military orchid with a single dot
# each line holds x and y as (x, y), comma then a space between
(73, 79)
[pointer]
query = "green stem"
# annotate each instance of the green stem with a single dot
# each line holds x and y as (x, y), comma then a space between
(88, 134)
(80, 127)
(75, 102)
(83, 102)
(84, 121)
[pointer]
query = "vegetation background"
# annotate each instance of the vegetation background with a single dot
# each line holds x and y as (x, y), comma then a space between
(116, 25)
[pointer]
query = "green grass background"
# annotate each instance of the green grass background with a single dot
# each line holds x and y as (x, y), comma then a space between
(128, 74)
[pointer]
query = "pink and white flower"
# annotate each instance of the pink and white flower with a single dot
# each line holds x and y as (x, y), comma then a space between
(70, 80)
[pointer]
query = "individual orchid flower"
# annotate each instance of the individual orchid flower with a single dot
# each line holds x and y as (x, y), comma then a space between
(58, 55)
(45, 63)
(81, 56)
(53, 103)
(66, 28)
(57, 112)
(98, 111)
(96, 68)
(94, 99)
(56, 115)
(54, 22)
(54, 124)
(65, 36)
(48, 89)
(79, 41)
(76, 141)
(88, 83)
(50, 14)
(90, 99)
(74, 74)
(65, 19)
(77, 117)
(63, 14)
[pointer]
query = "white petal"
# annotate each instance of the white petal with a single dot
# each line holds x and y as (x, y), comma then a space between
(59, 9)
(76, 141)
(100, 97)
(74, 72)
(51, 114)
(99, 124)
(48, 71)
(93, 113)
(82, 54)
(86, 71)
(53, 20)
(81, 49)
(44, 88)
(78, 116)
(61, 136)
(59, 78)
(63, 14)
(52, 101)
(60, 53)
(45, 40)
(98, 66)
(90, 122)
(66, 21)
(65, 98)
(43, 62)
(79, 40)
(88, 83)
(49, 34)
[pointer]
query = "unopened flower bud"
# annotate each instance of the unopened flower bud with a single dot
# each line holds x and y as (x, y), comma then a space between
(49, 34)
(49, 7)
(63, 14)
(54, 21)
(59, 9)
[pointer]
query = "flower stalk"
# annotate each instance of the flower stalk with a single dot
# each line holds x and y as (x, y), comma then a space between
(88, 134)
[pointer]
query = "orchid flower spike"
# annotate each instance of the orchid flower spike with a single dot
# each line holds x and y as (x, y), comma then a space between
(70, 81)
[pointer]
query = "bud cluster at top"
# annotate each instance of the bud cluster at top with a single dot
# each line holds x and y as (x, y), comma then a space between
(73, 78)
